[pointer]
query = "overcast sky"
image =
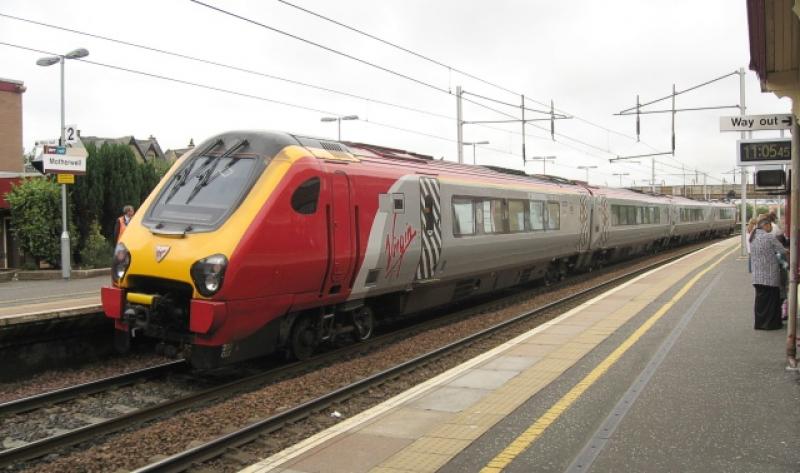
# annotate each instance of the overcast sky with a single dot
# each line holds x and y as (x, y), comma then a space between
(591, 58)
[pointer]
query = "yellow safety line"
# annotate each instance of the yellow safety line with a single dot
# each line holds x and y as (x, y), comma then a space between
(527, 438)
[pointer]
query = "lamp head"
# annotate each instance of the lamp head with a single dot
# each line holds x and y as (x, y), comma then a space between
(350, 117)
(48, 61)
(328, 119)
(77, 53)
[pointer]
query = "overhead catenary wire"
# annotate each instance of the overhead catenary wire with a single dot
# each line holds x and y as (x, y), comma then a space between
(225, 66)
(450, 67)
(341, 53)
(250, 71)
(242, 94)
(321, 46)
(330, 90)
(401, 48)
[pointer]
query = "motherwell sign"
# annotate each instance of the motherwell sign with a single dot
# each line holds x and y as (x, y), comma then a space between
(63, 160)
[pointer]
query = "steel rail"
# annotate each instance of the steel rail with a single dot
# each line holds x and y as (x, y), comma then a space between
(214, 448)
(47, 445)
(38, 401)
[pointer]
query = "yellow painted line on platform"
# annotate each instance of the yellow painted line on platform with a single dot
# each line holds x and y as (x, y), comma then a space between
(527, 438)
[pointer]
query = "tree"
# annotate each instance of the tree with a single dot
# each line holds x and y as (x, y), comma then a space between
(96, 253)
(88, 192)
(123, 184)
(36, 213)
(150, 177)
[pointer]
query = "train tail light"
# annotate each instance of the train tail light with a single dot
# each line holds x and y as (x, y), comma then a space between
(209, 273)
(121, 263)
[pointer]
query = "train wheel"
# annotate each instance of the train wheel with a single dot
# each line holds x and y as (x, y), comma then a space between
(303, 341)
(364, 323)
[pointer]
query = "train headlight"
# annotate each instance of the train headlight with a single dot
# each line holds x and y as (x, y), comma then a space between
(121, 263)
(208, 274)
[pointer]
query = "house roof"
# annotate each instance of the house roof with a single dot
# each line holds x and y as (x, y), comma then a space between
(142, 146)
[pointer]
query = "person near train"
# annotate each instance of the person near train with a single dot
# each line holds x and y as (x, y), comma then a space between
(765, 251)
(122, 222)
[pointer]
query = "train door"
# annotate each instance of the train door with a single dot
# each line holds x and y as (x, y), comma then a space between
(431, 226)
(341, 231)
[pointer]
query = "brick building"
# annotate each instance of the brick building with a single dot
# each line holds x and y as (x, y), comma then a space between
(11, 163)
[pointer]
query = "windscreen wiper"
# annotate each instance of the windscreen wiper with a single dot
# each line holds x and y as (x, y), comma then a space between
(207, 174)
(180, 178)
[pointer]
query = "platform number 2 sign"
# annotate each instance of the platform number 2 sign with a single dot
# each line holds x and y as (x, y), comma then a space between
(71, 133)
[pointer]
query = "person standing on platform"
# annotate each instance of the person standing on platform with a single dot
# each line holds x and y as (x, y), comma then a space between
(764, 251)
(122, 222)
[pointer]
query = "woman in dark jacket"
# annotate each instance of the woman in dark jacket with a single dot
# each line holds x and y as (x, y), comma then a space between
(766, 276)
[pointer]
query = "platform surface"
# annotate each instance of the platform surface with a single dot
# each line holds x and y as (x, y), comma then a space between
(663, 373)
(36, 301)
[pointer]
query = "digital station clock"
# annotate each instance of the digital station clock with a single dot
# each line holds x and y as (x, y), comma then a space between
(768, 151)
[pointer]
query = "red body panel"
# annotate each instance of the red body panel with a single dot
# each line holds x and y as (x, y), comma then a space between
(113, 300)
(293, 261)
(206, 316)
(245, 317)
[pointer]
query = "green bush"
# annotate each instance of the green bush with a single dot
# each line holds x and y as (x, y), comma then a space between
(36, 213)
(96, 252)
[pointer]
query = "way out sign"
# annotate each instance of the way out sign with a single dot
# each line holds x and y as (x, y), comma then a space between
(778, 121)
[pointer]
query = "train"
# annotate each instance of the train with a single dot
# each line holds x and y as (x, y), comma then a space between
(258, 242)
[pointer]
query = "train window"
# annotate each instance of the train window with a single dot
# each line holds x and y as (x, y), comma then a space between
(656, 215)
(536, 215)
(498, 216)
(553, 216)
(398, 203)
(305, 197)
(726, 214)
(463, 217)
(615, 215)
(492, 216)
(516, 216)
(631, 214)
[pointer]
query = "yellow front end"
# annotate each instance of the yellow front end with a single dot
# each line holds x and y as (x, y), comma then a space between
(177, 253)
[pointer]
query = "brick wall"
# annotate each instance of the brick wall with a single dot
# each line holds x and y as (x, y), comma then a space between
(11, 126)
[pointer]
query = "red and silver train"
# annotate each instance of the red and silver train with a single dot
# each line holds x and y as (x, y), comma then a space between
(262, 241)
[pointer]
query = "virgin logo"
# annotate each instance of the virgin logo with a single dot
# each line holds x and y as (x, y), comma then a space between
(396, 247)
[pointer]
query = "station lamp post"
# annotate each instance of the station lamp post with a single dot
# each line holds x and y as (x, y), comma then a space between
(473, 144)
(338, 120)
(65, 246)
(586, 168)
(620, 174)
(544, 160)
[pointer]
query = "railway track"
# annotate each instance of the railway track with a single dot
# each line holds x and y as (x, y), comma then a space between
(101, 427)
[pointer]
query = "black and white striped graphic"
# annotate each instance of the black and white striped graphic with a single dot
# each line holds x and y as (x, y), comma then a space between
(430, 223)
(584, 213)
(605, 222)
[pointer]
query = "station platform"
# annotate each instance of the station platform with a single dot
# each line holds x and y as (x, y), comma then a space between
(661, 374)
(24, 302)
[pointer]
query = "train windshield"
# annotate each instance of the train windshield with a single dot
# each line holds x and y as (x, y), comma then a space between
(204, 192)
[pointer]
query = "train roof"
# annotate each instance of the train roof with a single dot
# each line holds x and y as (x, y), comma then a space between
(274, 140)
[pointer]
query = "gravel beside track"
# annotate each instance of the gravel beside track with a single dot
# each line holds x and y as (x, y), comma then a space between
(57, 379)
(138, 447)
